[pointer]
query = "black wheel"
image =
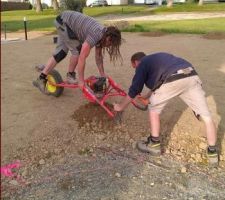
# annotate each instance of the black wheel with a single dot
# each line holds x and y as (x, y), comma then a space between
(55, 78)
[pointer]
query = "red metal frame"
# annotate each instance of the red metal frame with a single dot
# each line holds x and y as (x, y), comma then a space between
(113, 89)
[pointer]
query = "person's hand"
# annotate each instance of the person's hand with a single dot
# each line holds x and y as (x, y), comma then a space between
(146, 95)
(117, 107)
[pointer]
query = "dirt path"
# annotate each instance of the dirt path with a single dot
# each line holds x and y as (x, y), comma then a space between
(70, 149)
(163, 17)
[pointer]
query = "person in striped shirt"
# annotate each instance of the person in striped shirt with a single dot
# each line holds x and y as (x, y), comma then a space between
(78, 34)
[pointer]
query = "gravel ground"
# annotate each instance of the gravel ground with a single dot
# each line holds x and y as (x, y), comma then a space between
(71, 149)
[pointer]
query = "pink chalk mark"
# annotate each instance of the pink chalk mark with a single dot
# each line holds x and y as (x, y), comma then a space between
(7, 169)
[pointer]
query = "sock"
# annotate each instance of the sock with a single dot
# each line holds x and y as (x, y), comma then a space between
(154, 139)
(212, 149)
(43, 76)
(72, 73)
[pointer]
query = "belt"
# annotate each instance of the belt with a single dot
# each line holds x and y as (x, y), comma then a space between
(179, 75)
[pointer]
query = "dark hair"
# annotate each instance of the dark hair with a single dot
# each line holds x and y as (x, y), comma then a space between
(116, 39)
(137, 56)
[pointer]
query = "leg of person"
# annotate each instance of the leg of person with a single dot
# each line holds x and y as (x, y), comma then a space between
(60, 53)
(74, 47)
(152, 145)
(195, 98)
(158, 101)
(71, 75)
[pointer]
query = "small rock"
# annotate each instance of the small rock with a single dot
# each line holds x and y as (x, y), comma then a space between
(134, 144)
(152, 184)
(131, 141)
(167, 151)
(117, 174)
(115, 139)
(203, 145)
(222, 157)
(41, 162)
(192, 155)
(25, 173)
(159, 161)
(101, 137)
(14, 182)
(198, 157)
(121, 149)
(183, 170)
(57, 151)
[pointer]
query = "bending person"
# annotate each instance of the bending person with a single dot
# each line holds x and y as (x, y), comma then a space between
(78, 34)
(168, 76)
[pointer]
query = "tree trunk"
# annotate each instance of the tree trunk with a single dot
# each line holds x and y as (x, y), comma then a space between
(38, 6)
(200, 3)
(55, 5)
(169, 3)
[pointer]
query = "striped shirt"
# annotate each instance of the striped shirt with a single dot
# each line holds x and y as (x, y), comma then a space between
(86, 28)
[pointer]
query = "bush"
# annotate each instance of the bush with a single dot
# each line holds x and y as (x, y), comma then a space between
(6, 6)
(76, 5)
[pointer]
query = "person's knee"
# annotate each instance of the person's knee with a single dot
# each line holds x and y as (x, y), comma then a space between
(60, 56)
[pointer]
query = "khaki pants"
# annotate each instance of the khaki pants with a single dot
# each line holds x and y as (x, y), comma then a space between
(64, 42)
(188, 89)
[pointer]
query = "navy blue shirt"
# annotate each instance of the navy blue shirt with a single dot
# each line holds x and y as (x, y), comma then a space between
(153, 70)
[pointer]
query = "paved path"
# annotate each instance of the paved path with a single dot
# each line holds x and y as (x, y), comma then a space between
(175, 16)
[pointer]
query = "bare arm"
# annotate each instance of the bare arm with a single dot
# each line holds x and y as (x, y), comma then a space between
(123, 104)
(99, 60)
(85, 50)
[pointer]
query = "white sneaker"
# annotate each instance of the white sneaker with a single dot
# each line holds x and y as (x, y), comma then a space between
(71, 78)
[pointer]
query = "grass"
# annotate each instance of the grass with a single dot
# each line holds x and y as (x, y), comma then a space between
(35, 21)
(197, 26)
(44, 21)
(191, 7)
(129, 9)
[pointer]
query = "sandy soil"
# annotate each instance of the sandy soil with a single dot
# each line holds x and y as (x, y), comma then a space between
(71, 149)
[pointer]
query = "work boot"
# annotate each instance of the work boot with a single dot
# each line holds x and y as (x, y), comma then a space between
(149, 146)
(40, 83)
(71, 78)
(213, 156)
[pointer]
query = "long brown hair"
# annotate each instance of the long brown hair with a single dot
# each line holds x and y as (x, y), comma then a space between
(116, 39)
